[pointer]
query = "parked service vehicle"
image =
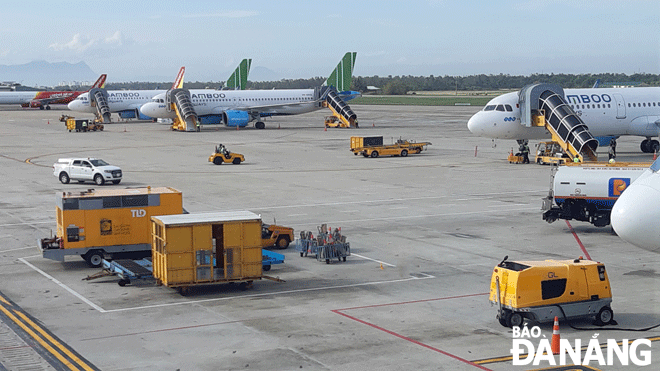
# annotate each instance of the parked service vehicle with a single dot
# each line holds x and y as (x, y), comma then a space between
(86, 169)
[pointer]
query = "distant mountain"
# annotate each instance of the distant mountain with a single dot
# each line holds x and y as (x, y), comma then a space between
(42, 73)
(263, 74)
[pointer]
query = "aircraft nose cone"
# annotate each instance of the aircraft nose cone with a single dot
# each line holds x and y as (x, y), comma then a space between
(473, 125)
(635, 216)
(148, 109)
(72, 105)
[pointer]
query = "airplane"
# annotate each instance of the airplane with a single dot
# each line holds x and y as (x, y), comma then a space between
(128, 102)
(635, 213)
(43, 99)
(239, 108)
(608, 112)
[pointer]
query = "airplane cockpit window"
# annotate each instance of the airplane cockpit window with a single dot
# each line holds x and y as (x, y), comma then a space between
(489, 108)
(508, 108)
(500, 107)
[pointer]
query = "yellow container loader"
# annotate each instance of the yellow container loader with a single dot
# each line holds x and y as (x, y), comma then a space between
(540, 290)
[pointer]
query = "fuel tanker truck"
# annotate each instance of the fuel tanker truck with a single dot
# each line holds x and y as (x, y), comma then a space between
(587, 192)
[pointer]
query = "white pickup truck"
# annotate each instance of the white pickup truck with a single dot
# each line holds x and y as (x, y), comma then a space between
(86, 169)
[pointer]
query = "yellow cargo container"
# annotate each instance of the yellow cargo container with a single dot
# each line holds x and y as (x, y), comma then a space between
(208, 248)
(94, 223)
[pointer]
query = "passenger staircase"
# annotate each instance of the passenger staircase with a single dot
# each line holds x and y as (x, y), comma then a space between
(179, 100)
(543, 105)
(98, 98)
(339, 108)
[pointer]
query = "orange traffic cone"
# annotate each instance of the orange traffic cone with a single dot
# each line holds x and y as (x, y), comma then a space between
(278, 126)
(381, 265)
(326, 129)
(48, 122)
(655, 155)
(554, 344)
(236, 127)
(373, 125)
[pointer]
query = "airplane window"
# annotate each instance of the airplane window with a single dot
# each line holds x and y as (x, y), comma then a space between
(599, 106)
(644, 104)
(583, 106)
(489, 108)
(628, 104)
(508, 108)
(634, 105)
(500, 107)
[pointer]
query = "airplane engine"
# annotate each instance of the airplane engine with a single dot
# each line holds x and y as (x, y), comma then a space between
(235, 118)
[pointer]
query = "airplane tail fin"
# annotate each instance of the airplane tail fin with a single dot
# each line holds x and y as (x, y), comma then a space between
(100, 83)
(238, 79)
(178, 82)
(342, 77)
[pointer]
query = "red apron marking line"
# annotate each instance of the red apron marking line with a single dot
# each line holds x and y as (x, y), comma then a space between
(578, 239)
(410, 340)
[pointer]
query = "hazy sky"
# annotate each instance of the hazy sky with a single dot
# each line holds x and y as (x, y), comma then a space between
(137, 40)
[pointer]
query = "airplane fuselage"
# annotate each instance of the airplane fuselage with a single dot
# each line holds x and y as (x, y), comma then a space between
(215, 102)
(17, 97)
(118, 100)
(606, 111)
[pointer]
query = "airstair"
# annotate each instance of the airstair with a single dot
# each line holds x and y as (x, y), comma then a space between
(178, 100)
(543, 105)
(339, 108)
(98, 98)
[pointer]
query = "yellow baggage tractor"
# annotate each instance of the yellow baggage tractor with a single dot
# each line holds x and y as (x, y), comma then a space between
(540, 290)
(223, 155)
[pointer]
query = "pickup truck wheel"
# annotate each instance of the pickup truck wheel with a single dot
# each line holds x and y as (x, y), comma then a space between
(64, 178)
(98, 179)
(374, 154)
(282, 242)
(404, 153)
(266, 268)
(236, 161)
(94, 258)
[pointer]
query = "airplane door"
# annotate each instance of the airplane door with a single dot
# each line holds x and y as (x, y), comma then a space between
(620, 106)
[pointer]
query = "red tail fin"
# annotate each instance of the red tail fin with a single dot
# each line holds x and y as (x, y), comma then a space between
(100, 83)
(178, 82)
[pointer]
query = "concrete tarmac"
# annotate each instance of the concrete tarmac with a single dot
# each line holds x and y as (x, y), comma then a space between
(426, 232)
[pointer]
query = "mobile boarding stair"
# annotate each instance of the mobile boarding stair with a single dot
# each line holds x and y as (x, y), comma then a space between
(179, 100)
(98, 98)
(340, 109)
(544, 105)
(327, 245)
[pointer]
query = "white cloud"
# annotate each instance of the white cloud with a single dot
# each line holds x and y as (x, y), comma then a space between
(226, 14)
(116, 39)
(77, 44)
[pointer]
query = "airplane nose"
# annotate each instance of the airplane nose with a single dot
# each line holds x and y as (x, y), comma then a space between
(473, 125)
(72, 105)
(635, 215)
(149, 109)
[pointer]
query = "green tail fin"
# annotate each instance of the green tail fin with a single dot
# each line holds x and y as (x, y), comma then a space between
(238, 79)
(342, 77)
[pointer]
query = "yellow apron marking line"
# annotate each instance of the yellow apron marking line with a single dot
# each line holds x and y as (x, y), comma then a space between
(41, 340)
(509, 358)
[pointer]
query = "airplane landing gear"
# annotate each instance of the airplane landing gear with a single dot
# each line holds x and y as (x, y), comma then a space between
(649, 146)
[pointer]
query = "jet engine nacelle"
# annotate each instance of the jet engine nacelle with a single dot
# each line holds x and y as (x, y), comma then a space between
(235, 118)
